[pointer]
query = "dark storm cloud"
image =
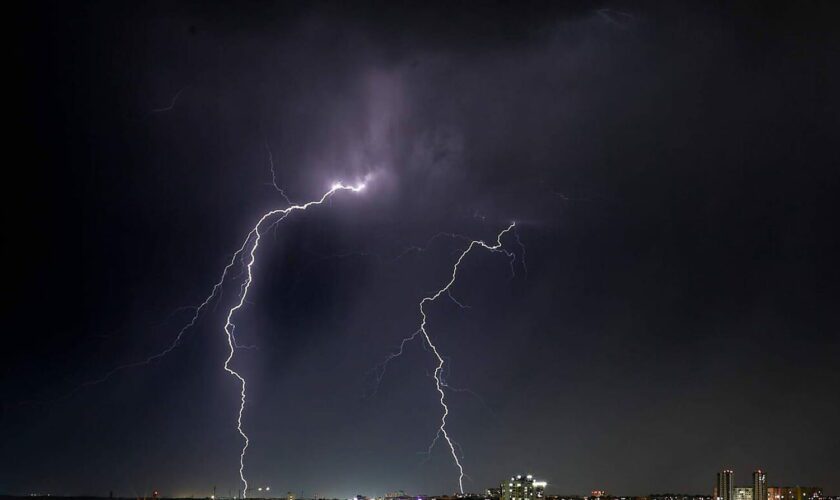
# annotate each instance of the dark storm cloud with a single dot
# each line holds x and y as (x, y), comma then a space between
(670, 167)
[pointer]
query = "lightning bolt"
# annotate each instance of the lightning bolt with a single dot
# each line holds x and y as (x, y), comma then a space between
(246, 256)
(171, 105)
(440, 384)
(253, 238)
(274, 174)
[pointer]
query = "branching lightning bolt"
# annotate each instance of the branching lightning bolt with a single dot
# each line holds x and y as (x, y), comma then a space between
(246, 256)
(274, 175)
(215, 291)
(440, 384)
(254, 237)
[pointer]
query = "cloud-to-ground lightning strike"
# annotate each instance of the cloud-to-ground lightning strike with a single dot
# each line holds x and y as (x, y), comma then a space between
(254, 237)
(440, 384)
(246, 255)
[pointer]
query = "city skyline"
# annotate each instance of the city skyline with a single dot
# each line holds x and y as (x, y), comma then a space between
(529, 487)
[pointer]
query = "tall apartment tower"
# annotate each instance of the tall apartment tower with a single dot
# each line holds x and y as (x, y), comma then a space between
(759, 485)
(522, 487)
(725, 486)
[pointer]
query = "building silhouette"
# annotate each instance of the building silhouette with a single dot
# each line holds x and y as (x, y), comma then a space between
(725, 486)
(759, 485)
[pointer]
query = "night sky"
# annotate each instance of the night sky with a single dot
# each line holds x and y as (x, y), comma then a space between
(672, 168)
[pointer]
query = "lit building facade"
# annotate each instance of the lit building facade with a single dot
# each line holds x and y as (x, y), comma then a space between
(522, 487)
(743, 494)
(794, 493)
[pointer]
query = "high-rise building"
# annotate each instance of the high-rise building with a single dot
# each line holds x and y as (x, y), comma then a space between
(725, 487)
(759, 485)
(744, 493)
(522, 487)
